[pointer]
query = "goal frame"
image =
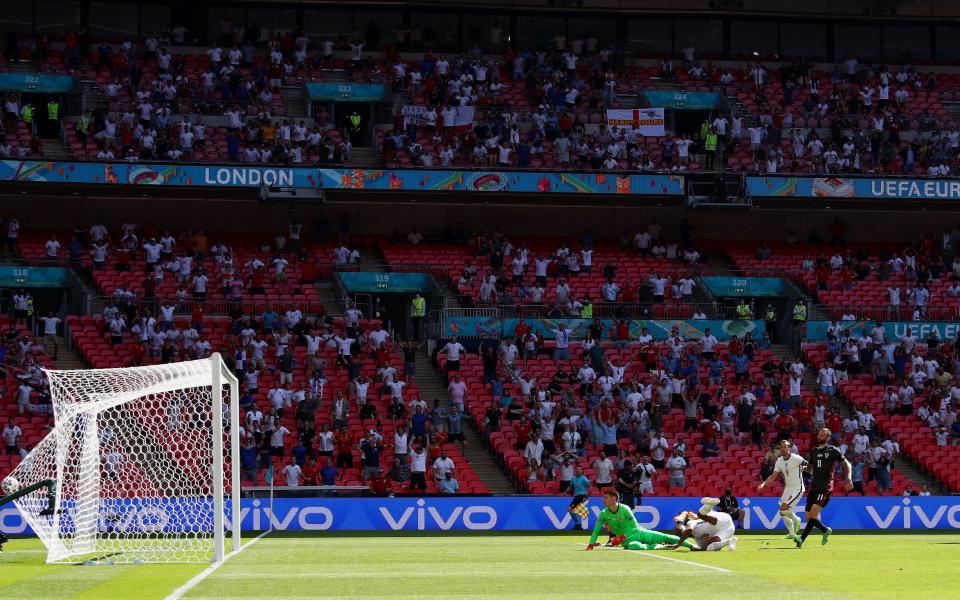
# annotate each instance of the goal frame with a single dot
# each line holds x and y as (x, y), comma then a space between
(46, 461)
(219, 374)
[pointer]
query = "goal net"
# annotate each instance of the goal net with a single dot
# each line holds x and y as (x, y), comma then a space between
(140, 461)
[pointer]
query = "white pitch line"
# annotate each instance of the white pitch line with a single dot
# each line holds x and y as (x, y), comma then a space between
(651, 554)
(199, 577)
(685, 562)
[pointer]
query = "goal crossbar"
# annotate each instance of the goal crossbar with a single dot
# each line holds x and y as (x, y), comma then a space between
(142, 459)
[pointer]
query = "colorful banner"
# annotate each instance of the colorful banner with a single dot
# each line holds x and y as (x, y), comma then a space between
(896, 330)
(854, 187)
(346, 92)
(412, 180)
(34, 277)
(659, 329)
(748, 287)
(684, 100)
(649, 121)
(526, 513)
(38, 84)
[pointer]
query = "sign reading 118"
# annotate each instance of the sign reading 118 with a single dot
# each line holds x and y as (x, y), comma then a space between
(382, 281)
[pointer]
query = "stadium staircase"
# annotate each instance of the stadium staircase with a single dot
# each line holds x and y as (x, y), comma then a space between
(903, 465)
(953, 109)
(54, 150)
(68, 359)
(364, 156)
(294, 98)
(431, 386)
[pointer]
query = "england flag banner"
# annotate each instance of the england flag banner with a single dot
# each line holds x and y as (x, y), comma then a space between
(649, 121)
(458, 117)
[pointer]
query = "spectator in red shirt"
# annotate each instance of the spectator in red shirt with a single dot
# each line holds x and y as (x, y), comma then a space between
(310, 471)
(823, 278)
(196, 317)
(523, 429)
(137, 352)
(804, 417)
(380, 485)
(784, 424)
(344, 442)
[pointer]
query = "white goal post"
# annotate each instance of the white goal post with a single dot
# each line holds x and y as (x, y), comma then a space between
(140, 461)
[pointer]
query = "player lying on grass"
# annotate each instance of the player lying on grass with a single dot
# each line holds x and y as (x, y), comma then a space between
(711, 529)
(620, 521)
(14, 491)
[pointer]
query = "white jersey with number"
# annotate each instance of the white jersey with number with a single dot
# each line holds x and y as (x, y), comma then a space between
(791, 468)
(724, 529)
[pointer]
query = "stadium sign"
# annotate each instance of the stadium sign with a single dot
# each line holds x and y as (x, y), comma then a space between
(905, 188)
(529, 513)
(895, 330)
(745, 286)
(244, 176)
(398, 180)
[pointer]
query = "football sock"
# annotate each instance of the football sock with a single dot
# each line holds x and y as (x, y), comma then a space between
(797, 525)
(811, 523)
(788, 522)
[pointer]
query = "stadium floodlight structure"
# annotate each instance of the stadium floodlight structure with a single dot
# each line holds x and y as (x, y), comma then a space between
(137, 465)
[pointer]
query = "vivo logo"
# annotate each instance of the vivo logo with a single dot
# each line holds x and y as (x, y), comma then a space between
(647, 516)
(308, 518)
(897, 517)
(477, 518)
(901, 517)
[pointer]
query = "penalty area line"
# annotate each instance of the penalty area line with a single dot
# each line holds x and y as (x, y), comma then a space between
(650, 554)
(199, 577)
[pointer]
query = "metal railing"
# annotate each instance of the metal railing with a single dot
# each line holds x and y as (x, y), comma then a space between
(223, 306)
(827, 312)
(618, 310)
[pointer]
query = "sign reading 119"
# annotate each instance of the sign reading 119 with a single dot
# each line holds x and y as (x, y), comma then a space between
(382, 281)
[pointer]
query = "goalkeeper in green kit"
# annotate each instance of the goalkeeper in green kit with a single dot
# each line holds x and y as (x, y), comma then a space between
(622, 523)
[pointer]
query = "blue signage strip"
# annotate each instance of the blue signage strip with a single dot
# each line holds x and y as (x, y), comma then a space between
(348, 92)
(659, 329)
(36, 83)
(529, 513)
(684, 100)
(412, 180)
(384, 282)
(34, 277)
(745, 286)
(854, 187)
(817, 330)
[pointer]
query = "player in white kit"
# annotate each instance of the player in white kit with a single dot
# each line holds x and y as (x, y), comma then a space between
(711, 529)
(789, 466)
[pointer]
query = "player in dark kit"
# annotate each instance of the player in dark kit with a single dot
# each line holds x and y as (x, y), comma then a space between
(823, 458)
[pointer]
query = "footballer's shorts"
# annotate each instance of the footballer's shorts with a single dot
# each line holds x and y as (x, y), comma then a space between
(819, 497)
(577, 500)
(791, 497)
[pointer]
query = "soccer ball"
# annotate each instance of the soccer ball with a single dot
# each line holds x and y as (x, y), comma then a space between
(11, 485)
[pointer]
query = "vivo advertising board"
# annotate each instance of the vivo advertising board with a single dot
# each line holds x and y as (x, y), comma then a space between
(536, 513)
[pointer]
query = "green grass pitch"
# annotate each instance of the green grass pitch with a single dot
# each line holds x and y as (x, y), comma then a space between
(451, 565)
